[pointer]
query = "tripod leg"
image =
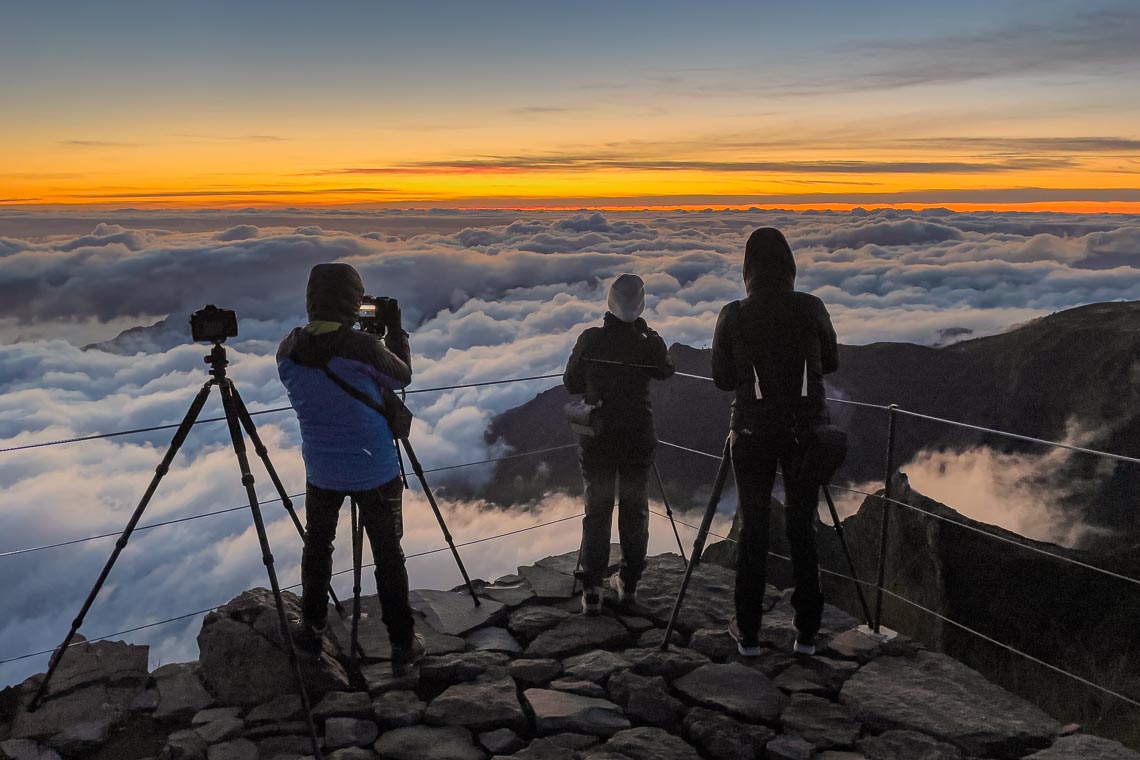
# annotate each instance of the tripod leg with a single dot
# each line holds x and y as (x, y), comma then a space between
(668, 510)
(263, 454)
(160, 471)
(357, 561)
(702, 536)
(419, 470)
(230, 407)
(846, 552)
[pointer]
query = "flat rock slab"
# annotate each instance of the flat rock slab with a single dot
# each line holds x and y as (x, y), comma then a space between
(578, 633)
(789, 747)
(493, 639)
(480, 706)
(557, 711)
(722, 738)
(372, 635)
(398, 709)
(907, 745)
(594, 666)
(670, 664)
(567, 563)
(534, 672)
(501, 741)
(1083, 746)
(528, 622)
(736, 689)
(936, 695)
(460, 667)
(343, 704)
(95, 702)
(825, 724)
(453, 613)
(511, 590)
(349, 732)
(26, 749)
(708, 599)
(650, 744)
(853, 645)
(428, 743)
(547, 584)
(238, 749)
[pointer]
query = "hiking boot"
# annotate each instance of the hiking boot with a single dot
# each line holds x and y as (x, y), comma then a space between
(404, 656)
(626, 595)
(591, 600)
(747, 646)
(804, 645)
(308, 639)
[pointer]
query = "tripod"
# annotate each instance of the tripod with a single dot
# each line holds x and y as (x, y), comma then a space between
(706, 524)
(237, 417)
(358, 542)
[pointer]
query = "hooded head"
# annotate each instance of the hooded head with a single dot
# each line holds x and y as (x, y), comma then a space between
(627, 297)
(768, 262)
(334, 293)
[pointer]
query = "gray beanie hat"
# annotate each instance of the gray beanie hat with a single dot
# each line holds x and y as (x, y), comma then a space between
(627, 297)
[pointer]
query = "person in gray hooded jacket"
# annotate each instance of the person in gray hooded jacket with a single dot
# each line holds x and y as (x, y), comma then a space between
(612, 365)
(772, 350)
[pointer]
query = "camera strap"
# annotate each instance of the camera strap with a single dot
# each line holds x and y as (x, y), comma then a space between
(394, 410)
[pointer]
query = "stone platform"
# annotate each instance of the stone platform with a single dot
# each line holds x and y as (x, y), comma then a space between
(524, 675)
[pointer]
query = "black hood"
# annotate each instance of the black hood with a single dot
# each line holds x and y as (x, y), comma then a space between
(334, 293)
(768, 261)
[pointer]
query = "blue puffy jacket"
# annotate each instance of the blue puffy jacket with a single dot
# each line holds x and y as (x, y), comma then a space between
(346, 445)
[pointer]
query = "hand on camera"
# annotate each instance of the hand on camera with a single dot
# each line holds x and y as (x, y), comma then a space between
(641, 326)
(388, 311)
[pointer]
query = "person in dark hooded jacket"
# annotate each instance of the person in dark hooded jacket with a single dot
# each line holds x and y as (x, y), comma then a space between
(772, 350)
(348, 448)
(612, 365)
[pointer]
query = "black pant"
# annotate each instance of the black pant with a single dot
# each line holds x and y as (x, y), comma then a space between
(754, 460)
(381, 515)
(600, 476)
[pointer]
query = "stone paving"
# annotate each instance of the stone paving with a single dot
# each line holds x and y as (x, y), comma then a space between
(524, 675)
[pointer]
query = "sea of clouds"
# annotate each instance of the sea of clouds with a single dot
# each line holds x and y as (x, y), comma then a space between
(486, 295)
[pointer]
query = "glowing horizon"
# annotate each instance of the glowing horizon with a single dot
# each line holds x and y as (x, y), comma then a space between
(279, 105)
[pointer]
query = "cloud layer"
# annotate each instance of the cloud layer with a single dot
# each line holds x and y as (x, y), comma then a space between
(486, 296)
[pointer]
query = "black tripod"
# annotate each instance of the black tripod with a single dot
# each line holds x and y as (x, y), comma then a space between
(706, 524)
(237, 417)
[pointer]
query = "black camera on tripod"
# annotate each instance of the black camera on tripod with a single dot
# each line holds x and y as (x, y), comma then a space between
(213, 325)
(378, 315)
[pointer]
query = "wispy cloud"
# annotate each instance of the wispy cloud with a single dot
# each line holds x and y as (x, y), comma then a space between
(554, 162)
(99, 144)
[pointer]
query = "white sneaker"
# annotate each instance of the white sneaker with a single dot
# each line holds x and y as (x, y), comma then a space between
(624, 598)
(591, 600)
(804, 646)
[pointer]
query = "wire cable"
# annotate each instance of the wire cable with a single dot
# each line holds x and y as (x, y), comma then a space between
(294, 586)
(30, 549)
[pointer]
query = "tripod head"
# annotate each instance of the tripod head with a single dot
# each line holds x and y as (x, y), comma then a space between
(218, 361)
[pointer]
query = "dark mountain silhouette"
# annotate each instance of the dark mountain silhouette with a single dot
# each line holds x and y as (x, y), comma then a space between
(1078, 368)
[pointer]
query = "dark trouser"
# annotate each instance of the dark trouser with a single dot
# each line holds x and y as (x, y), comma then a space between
(600, 476)
(754, 460)
(381, 515)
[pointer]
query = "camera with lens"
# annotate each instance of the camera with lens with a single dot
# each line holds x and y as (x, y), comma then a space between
(378, 315)
(213, 325)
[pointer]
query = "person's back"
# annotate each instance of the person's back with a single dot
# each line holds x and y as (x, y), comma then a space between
(772, 350)
(348, 448)
(613, 365)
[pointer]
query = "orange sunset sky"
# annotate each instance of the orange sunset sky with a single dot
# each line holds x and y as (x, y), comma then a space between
(979, 105)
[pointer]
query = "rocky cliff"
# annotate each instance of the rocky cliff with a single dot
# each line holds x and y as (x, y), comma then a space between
(525, 676)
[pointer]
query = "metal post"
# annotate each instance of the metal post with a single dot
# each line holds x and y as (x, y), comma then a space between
(884, 523)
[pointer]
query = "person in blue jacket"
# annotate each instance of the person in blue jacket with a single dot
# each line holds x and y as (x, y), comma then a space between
(348, 449)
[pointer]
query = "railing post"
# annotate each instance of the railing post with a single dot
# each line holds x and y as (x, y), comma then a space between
(884, 523)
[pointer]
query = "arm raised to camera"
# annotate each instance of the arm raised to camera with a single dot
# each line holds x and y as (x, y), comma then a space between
(392, 359)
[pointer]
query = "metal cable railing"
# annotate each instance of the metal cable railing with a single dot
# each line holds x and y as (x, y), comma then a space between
(85, 539)
(885, 497)
(187, 615)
